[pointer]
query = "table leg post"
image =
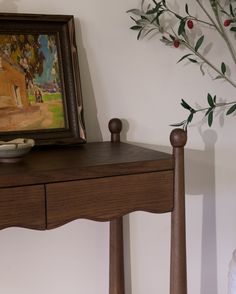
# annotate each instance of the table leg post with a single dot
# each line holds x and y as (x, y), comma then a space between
(116, 271)
(178, 273)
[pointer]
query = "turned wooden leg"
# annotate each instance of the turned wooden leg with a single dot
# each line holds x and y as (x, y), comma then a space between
(178, 273)
(116, 271)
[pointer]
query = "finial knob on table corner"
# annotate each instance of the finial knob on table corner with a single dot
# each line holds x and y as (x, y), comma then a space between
(115, 127)
(178, 138)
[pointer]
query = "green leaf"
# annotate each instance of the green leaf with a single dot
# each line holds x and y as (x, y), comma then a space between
(199, 43)
(164, 3)
(190, 118)
(153, 11)
(144, 17)
(231, 10)
(135, 27)
(210, 119)
(185, 56)
(214, 99)
(231, 110)
(210, 100)
(178, 16)
(178, 124)
(186, 8)
(223, 68)
(181, 29)
(193, 60)
(208, 111)
(156, 18)
(185, 105)
(233, 29)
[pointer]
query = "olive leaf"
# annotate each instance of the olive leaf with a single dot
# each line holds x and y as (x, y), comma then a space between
(185, 56)
(181, 29)
(199, 43)
(178, 124)
(231, 110)
(135, 27)
(164, 3)
(210, 100)
(193, 60)
(190, 118)
(223, 68)
(185, 105)
(186, 8)
(231, 10)
(210, 118)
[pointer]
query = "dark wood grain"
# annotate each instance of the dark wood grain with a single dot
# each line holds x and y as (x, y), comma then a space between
(116, 263)
(93, 160)
(100, 181)
(23, 207)
(116, 269)
(178, 272)
(108, 198)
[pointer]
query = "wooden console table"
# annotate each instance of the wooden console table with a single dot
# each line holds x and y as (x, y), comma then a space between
(100, 181)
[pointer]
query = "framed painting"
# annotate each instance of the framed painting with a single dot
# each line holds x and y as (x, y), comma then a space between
(40, 91)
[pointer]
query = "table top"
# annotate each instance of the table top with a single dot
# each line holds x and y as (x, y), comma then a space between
(91, 160)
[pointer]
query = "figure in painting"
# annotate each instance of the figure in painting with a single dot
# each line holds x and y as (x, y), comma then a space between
(38, 96)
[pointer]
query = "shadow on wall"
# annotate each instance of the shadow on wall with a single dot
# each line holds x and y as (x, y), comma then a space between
(90, 109)
(200, 180)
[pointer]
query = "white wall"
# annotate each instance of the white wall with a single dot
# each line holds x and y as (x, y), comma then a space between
(140, 83)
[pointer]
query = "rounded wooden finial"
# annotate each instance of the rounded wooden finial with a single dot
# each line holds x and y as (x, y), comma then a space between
(178, 138)
(115, 127)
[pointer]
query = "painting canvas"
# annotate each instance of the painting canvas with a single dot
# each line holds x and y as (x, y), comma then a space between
(40, 92)
(30, 84)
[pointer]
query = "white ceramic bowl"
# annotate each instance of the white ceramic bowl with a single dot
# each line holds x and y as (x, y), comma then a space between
(13, 151)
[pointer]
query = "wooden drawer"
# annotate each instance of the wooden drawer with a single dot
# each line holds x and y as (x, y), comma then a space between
(23, 207)
(108, 198)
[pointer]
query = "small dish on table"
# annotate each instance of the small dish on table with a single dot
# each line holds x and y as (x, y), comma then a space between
(15, 150)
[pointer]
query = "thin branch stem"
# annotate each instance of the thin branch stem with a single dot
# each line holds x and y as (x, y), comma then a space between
(222, 8)
(191, 17)
(209, 64)
(224, 35)
(201, 21)
(209, 16)
(216, 105)
(219, 28)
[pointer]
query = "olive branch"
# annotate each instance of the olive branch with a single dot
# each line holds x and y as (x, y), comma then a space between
(150, 20)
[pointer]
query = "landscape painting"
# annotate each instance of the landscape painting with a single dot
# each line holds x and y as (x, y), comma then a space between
(31, 96)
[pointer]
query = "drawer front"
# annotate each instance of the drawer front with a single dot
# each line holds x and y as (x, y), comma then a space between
(108, 198)
(23, 207)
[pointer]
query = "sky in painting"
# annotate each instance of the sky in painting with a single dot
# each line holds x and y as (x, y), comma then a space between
(47, 76)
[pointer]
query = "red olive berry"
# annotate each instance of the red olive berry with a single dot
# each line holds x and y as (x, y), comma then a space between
(227, 22)
(190, 24)
(176, 43)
